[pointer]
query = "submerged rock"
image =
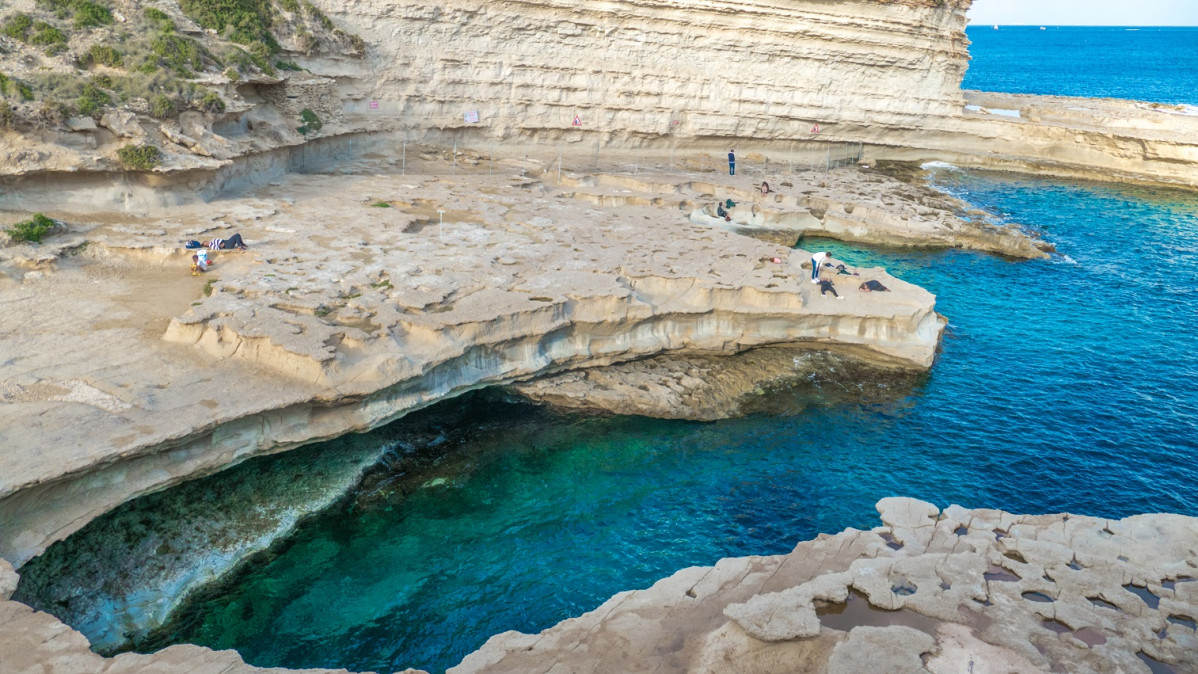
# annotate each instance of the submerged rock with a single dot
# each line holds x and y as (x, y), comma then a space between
(706, 388)
(122, 575)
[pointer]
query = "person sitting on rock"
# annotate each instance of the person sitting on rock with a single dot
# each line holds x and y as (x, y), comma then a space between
(719, 210)
(765, 187)
(872, 286)
(233, 242)
(199, 263)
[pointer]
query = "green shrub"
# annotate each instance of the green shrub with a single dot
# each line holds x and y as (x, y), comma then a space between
(311, 123)
(89, 14)
(242, 21)
(314, 12)
(289, 5)
(25, 91)
(45, 35)
(239, 58)
(31, 230)
(17, 27)
(139, 157)
(8, 119)
(232, 74)
(61, 8)
(105, 55)
(178, 53)
(161, 107)
(261, 55)
(85, 12)
(287, 65)
(5, 83)
(159, 19)
(92, 100)
(210, 102)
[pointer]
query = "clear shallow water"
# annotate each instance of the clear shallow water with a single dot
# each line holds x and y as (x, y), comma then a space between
(1143, 64)
(1062, 386)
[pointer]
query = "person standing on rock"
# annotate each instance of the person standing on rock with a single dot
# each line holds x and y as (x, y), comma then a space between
(731, 162)
(817, 259)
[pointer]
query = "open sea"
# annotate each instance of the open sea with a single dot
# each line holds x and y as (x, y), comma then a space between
(1145, 64)
(1063, 385)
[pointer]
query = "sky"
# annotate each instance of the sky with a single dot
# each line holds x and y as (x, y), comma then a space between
(1086, 12)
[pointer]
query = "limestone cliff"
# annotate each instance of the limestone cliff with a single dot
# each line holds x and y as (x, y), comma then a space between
(633, 70)
(789, 78)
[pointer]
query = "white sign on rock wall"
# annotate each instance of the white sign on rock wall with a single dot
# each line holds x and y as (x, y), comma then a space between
(471, 117)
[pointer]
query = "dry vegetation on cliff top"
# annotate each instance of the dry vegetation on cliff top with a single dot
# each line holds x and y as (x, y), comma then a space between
(63, 58)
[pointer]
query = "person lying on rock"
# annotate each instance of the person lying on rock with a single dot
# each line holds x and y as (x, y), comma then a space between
(840, 269)
(826, 286)
(233, 242)
(872, 286)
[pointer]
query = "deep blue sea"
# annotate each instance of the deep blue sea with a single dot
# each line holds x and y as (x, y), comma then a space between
(1146, 64)
(1063, 385)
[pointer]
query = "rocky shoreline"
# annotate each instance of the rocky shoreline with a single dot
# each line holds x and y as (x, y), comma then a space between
(929, 590)
(376, 286)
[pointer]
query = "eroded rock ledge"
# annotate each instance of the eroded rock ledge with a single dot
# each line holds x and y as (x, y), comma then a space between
(356, 305)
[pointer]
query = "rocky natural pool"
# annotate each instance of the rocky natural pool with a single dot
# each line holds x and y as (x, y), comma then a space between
(1063, 385)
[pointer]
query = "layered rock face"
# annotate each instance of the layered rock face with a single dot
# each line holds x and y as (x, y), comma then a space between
(630, 70)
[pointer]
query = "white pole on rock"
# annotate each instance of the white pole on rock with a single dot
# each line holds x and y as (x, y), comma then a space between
(441, 226)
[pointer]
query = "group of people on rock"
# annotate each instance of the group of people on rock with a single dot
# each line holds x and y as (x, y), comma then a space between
(199, 260)
(824, 270)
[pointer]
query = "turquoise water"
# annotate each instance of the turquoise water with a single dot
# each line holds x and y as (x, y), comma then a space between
(1144, 64)
(1063, 385)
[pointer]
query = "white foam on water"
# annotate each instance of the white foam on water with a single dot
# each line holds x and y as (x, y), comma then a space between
(1065, 259)
(928, 166)
(1001, 112)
